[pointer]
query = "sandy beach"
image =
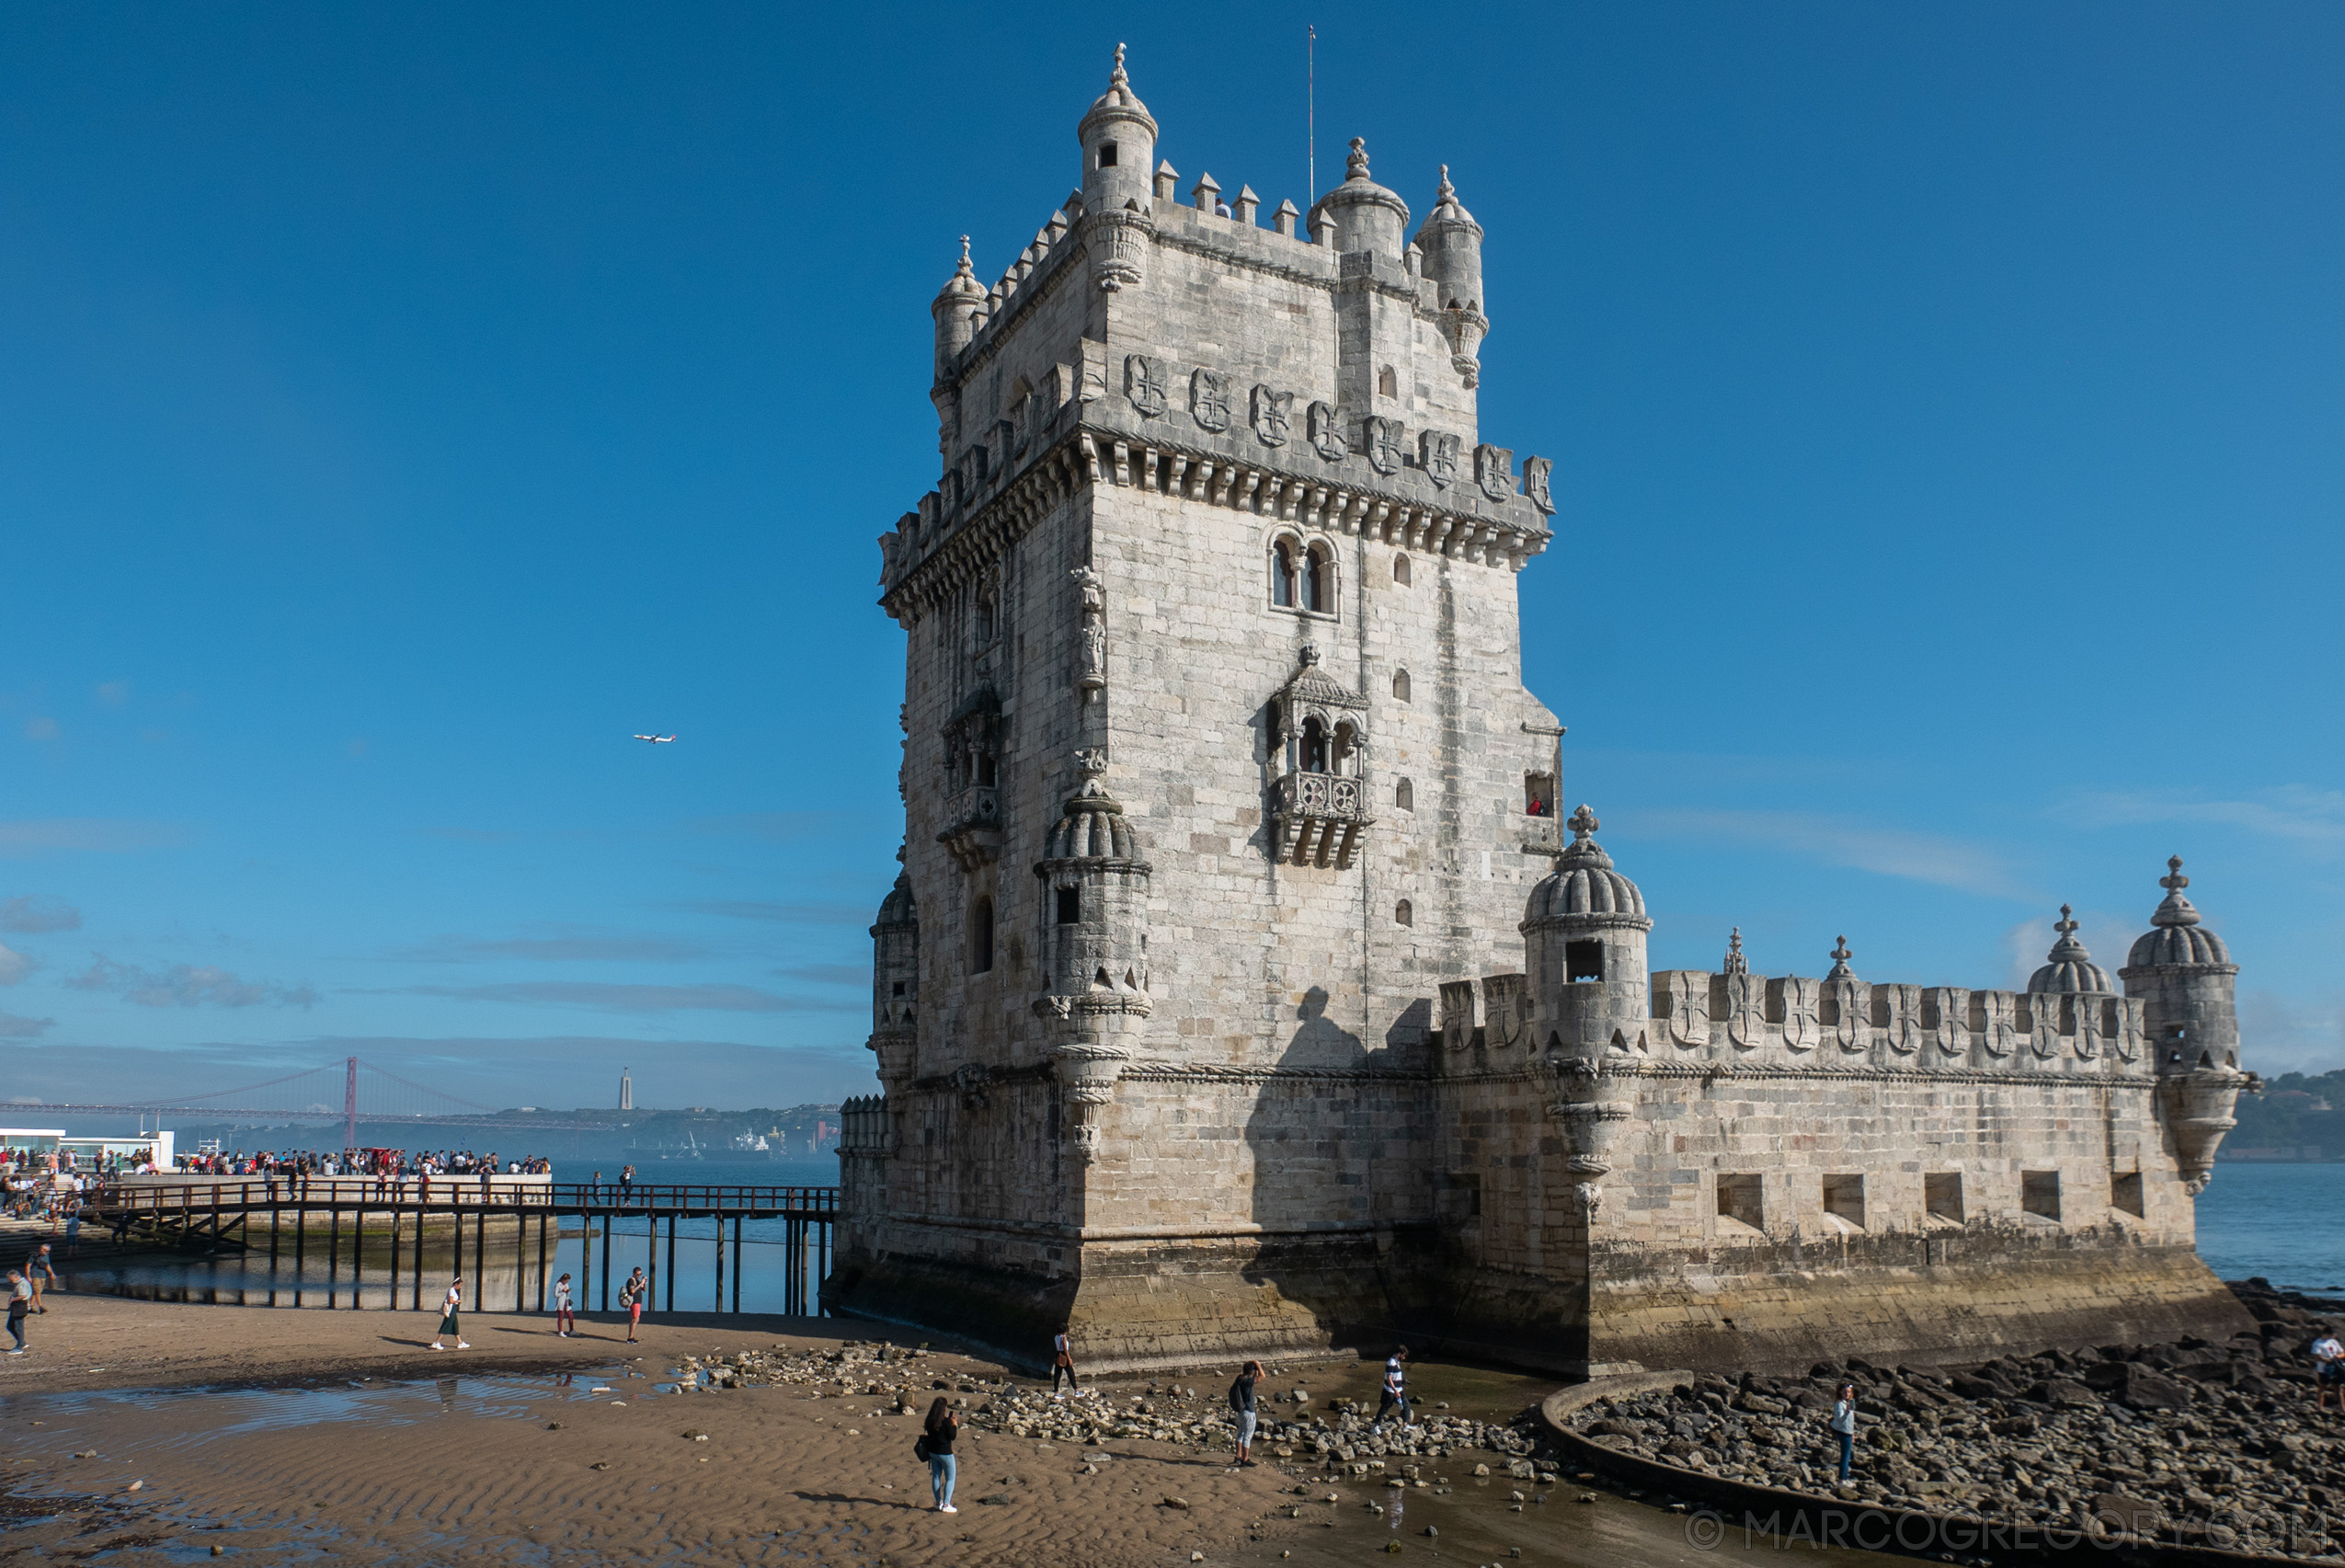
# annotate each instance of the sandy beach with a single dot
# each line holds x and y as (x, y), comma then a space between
(152, 1433)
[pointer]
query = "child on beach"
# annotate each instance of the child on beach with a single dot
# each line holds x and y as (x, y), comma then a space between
(447, 1317)
(566, 1326)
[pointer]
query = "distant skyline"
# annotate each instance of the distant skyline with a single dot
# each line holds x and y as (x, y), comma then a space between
(401, 410)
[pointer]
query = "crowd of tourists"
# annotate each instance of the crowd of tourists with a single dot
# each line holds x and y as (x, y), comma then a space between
(360, 1163)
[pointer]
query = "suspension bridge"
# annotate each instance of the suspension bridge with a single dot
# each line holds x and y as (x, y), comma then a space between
(348, 1091)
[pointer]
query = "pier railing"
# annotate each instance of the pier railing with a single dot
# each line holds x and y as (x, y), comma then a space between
(225, 1213)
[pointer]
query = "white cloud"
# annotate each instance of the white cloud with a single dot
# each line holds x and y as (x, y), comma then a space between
(187, 985)
(1837, 841)
(35, 912)
(2281, 1034)
(2313, 817)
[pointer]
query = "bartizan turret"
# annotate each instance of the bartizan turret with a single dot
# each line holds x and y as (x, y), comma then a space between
(896, 983)
(1118, 135)
(1584, 938)
(1095, 1001)
(1451, 243)
(2184, 975)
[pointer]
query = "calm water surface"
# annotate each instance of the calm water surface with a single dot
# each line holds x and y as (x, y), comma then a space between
(2284, 1221)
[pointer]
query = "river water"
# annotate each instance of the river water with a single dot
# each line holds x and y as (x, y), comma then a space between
(2285, 1222)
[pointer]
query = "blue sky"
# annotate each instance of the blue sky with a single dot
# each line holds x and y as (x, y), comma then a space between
(399, 407)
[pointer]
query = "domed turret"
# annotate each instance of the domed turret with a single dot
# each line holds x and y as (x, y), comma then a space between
(896, 978)
(2185, 977)
(1366, 216)
(1583, 933)
(1118, 136)
(1451, 242)
(1094, 999)
(2068, 967)
(956, 310)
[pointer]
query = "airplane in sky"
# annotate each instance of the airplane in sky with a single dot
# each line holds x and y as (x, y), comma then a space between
(657, 739)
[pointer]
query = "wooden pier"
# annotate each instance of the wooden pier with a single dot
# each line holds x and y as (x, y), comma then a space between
(231, 1214)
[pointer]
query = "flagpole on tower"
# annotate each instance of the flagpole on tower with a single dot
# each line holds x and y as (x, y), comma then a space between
(1310, 106)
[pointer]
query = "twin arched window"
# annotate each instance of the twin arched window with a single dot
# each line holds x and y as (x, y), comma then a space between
(1319, 749)
(1302, 577)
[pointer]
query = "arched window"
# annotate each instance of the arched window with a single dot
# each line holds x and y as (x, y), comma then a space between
(1387, 384)
(1283, 567)
(981, 936)
(1400, 570)
(983, 626)
(1314, 749)
(1319, 579)
(1344, 756)
(1403, 914)
(1400, 685)
(1404, 795)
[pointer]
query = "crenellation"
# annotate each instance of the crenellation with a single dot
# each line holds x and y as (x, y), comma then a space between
(1242, 992)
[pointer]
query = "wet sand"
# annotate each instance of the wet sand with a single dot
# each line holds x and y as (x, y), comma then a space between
(285, 1435)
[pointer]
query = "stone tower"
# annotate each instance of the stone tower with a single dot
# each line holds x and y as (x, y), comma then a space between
(1216, 755)
(2184, 975)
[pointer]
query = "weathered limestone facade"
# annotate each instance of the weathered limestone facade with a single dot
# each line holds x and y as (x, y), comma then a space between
(1221, 784)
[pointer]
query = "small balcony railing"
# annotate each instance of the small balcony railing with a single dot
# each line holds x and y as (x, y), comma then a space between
(973, 825)
(1321, 817)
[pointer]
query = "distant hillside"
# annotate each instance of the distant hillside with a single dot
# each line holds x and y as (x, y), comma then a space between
(2296, 1117)
(795, 1128)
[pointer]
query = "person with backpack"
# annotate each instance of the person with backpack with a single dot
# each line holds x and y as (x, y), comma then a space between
(1062, 1364)
(935, 1444)
(1843, 1423)
(631, 1296)
(2329, 1368)
(1242, 1402)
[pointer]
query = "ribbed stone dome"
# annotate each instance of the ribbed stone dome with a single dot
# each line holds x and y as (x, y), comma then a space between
(897, 908)
(2174, 935)
(1092, 828)
(1119, 102)
(1583, 882)
(2069, 967)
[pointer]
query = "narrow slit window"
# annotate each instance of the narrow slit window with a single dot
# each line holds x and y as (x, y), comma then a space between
(1400, 685)
(1070, 906)
(1403, 915)
(1387, 384)
(981, 936)
(1400, 570)
(1404, 795)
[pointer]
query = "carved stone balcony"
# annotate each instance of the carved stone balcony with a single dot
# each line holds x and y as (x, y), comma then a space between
(1321, 817)
(973, 831)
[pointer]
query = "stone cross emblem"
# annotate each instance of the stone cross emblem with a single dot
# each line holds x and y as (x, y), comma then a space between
(1582, 822)
(1535, 471)
(1209, 399)
(1144, 382)
(1438, 455)
(1327, 434)
(1384, 443)
(1271, 416)
(1494, 471)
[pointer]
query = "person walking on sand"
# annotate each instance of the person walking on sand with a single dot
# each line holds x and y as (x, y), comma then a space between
(1396, 1391)
(2329, 1368)
(1843, 1422)
(565, 1325)
(448, 1309)
(631, 1296)
(1242, 1402)
(20, 1303)
(43, 1274)
(1062, 1364)
(936, 1446)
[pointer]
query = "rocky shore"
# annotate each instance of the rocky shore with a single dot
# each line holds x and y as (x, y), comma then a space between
(2215, 1444)
(890, 1379)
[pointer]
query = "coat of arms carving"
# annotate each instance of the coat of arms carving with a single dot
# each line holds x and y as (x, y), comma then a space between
(1209, 399)
(1457, 1015)
(1146, 381)
(1952, 1032)
(1535, 472)
(1437, 454)
(1506, 1011)
(2001, 1034)
(1688, 995)
(2092, 1028)
(1494, 471)
(1271, 412)
(1802, 1012)
(1747, 1010)
(1327, 434)
(2129, 1028)
(1851, 1014)
(2043, 1025)
(1904, 1031)
(1383, 437)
